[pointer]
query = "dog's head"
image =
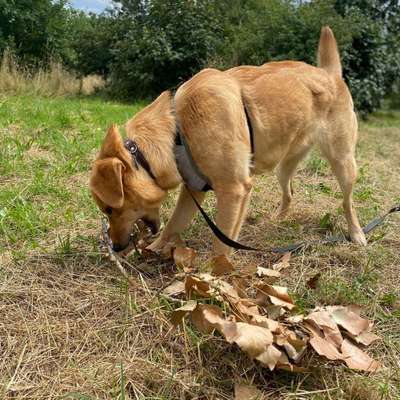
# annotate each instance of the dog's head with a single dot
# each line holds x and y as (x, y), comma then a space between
(123, 192)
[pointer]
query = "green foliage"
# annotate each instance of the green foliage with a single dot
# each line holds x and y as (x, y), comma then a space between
(162, 43)
(144, 47)
(372, 62)
(258, 31)
(34, 29)
(90, 42)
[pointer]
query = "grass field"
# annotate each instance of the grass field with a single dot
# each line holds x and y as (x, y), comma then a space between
(71, 327)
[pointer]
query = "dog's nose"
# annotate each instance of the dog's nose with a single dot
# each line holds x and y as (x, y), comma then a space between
(117, 247)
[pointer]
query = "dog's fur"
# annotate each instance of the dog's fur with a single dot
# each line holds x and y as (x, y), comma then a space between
(291, 106)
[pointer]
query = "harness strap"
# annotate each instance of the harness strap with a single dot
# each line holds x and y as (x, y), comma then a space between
(250, 126)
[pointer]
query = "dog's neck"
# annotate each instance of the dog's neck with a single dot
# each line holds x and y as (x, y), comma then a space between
(154, 130)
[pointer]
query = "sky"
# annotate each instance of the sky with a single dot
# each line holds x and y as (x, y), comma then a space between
(96, 6)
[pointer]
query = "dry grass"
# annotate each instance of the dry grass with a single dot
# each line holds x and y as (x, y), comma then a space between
(53, 81)
(71, 327)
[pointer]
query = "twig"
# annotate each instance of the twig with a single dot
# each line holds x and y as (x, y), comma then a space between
(113, 257)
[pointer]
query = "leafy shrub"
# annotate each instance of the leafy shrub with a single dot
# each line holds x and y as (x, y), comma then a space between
(162, 43)
(34, 29)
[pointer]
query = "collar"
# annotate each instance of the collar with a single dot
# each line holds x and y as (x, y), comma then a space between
(138, 157)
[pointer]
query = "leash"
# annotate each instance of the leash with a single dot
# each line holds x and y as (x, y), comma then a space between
(193, 177)
(291, 247)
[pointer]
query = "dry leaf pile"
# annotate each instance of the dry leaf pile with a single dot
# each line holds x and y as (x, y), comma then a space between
(248, 310)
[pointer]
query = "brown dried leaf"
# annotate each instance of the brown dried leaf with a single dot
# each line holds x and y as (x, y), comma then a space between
(240, 285)
(207, 317)
(184, 258)
(197, 286)
(270, 274)
(355, 358)
(277, 295)
(323, 320)
(225, 289)
(174, 289)
(292, 368)
(313, 329)
(246, 307)
(221, 265)
(295, 319)
(179, 313)
(252, 339)
(312, 283)
(275, 312)
(295, 348)
(270, 357)
(246, 392)
(265, 322)
(282, 263)
(325, 348)
(174, 241)
(349, 320)
(365, 338)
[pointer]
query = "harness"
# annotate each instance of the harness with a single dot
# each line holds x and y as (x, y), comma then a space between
(195, 180)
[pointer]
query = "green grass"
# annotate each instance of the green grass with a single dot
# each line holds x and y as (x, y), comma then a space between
(73, 328)
(46, 146)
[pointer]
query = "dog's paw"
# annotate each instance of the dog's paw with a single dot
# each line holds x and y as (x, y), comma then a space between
(157, 245)
(162, 243)
(281, 213)
(358, 238)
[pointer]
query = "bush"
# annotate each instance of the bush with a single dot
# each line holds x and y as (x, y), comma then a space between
(372, 62)
(34, 29)
(91, 39)
(161, 43)
(276, 30)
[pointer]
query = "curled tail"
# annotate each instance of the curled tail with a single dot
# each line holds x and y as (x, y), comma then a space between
(328, 53)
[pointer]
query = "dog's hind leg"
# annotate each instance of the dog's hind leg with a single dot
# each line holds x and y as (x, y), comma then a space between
(339, 147)
(285, 172)
(183, 214)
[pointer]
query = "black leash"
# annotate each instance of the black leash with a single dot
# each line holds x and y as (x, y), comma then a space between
(139, 159)
(292, 247)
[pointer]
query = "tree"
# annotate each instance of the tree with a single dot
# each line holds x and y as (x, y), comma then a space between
(161, 43)
(90, 42)
(34, 29)
(372, 62)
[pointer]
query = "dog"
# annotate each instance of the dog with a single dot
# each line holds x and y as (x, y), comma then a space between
(290, 106)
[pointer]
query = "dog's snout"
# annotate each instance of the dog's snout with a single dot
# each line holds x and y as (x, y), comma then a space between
(117, 247)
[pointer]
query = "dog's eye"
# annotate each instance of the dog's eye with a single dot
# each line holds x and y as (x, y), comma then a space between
(108, 210)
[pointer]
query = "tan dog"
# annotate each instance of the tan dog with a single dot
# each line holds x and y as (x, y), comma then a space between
(291, 106)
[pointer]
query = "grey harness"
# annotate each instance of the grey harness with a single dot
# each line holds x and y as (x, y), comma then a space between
(187, 168)
(190, 173)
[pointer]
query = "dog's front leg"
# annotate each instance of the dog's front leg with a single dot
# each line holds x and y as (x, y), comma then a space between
(180, 219)
(232, 202)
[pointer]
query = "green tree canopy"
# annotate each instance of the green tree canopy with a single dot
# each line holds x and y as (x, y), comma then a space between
(34, 29)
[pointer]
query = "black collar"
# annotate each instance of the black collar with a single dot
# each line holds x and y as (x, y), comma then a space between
(138, 157)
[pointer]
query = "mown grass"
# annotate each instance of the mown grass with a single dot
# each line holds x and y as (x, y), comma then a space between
(71, 327)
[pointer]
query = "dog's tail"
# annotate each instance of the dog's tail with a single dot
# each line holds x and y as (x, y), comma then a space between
(328, 53)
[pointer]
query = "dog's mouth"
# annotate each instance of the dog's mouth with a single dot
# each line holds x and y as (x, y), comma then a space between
(153, 225)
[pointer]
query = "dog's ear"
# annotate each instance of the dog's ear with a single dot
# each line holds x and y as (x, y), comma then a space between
(106, 181)
(112, 144)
